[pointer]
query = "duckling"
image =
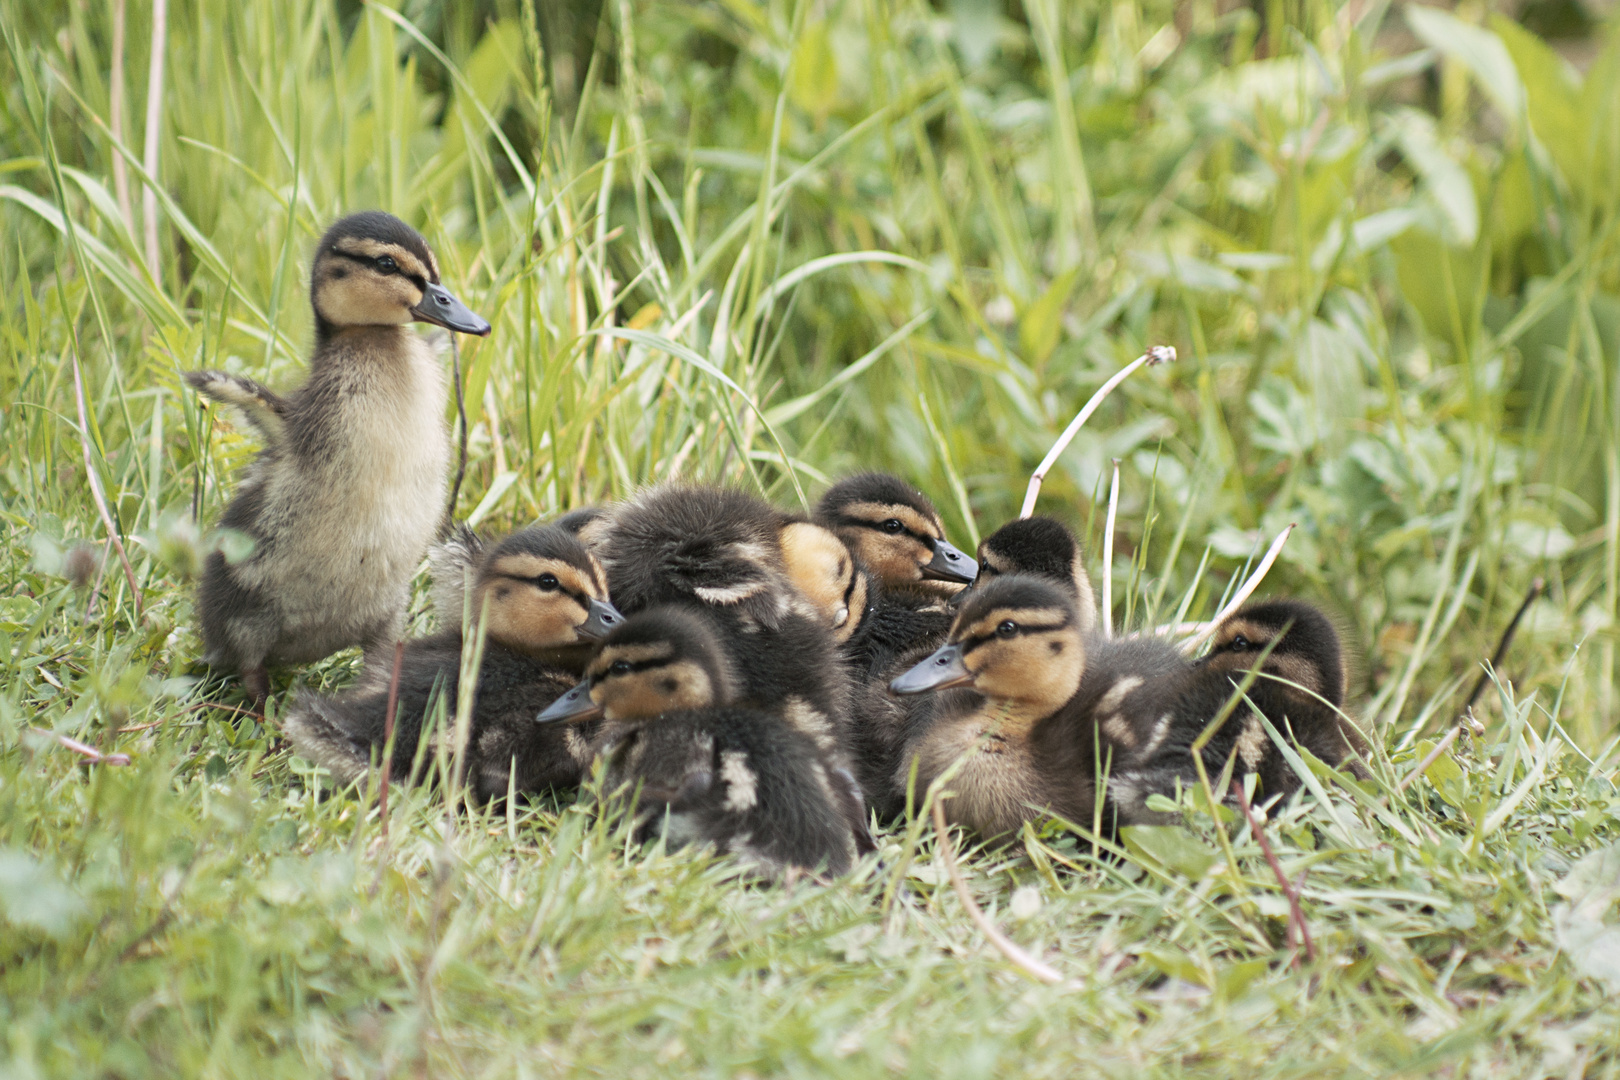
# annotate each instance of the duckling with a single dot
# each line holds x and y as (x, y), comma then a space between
(896, 532)
(349, 489)
(1041, 546)
(1017, 646)
(1299, 687)
(544, 603)
(457, 555)
(710, 770)
(720, 551)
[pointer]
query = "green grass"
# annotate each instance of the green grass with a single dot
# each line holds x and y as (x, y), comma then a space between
(766, 244)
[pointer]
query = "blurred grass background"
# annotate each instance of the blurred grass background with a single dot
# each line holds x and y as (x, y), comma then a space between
(768, 243)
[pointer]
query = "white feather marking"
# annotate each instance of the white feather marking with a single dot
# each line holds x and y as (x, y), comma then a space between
(1251, 745)
(741, 783)
(730, 594)
(1116, 693)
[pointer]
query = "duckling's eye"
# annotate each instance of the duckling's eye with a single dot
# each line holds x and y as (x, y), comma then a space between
(386, 264)
(547, 582)
(892, 526)
(1007, 629)
(620, 667)
(1239, 643)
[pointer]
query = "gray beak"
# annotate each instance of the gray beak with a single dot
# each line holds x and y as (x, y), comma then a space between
(944, 668)
(603, 617)
(574, 706)
(950, 564)
(959, 597)
(440, 307)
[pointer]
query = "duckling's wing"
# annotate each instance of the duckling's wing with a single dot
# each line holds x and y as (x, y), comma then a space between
(264, 408)
(448, 563)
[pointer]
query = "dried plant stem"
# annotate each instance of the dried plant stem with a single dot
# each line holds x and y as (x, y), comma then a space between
(96, 494)
(115, 106)
(90, 753)
(154, 123)
(388, 738)
(1244, 592)
(1008, 948)
(1500, 654)
(1430, 758)
(1296, 916)
(1108, 556)
(1157, 354)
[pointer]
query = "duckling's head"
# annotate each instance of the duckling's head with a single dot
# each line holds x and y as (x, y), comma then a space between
(589, 523)
(1017, 639)
(1304, 646)
(1040, 546)
(663, 659)
(684, 544)
(822, 568)
(544, 591)
(372, 269)
(896, 533)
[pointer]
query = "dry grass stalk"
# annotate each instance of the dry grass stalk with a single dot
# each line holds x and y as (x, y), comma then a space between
(1157, 354)
(1108, 556)
(1244, 592)
(1009, 948)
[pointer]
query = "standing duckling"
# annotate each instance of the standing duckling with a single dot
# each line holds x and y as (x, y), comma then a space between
(349, 489)
(1043, 547)
(544, 604)
(705, 770)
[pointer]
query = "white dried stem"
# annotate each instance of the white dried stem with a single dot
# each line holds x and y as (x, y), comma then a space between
(1108, 556)
(1158, 354)
(1243, 593)
(1009, 948)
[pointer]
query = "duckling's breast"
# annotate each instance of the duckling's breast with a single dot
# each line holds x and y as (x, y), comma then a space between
(998, 778)
(350, 509)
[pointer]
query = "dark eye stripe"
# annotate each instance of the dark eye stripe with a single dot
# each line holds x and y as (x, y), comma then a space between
(969, 644)
(849, 590)
(877, 526)
(636, 666)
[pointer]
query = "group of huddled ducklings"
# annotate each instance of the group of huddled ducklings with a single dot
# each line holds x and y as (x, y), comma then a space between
(751, 678)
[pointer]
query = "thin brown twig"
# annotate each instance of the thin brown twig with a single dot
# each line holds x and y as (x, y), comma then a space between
(1502, 645)
(1008, 948)
(96, 493)
(388, 737)
(1296, 915)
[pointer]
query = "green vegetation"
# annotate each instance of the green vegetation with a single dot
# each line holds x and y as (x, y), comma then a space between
(766, 243)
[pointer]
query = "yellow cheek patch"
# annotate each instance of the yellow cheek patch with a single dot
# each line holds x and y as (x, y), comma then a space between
(653, 691)
(820, 567)
(355, 296)
(1042, 669)
(526, 619)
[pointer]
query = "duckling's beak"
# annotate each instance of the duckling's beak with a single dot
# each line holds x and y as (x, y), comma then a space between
(949, 564)
(602, 617)
(944, 668)
(959, 597)
(440, 307)
(572, 707)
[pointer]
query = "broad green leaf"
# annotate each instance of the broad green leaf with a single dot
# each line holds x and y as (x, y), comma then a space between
(1588, 926)
(1479, 50)
(32, 896)
(1177, 966)
(1170, 846)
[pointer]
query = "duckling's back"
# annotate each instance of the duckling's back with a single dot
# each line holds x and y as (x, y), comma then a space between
(740, 779)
